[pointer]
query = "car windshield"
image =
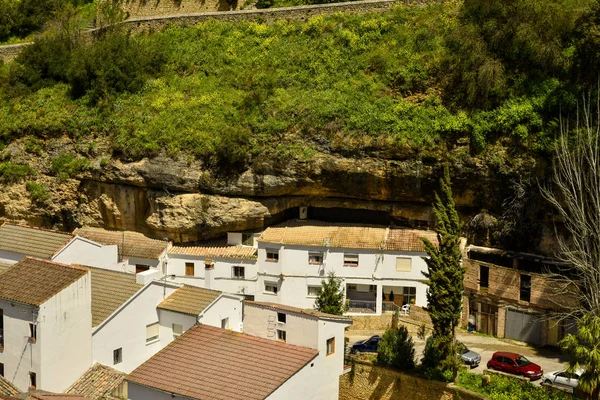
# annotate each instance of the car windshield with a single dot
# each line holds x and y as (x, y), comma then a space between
(461, 348)
(522, 361)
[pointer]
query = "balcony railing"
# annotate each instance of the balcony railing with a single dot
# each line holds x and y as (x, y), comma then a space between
(362, 306)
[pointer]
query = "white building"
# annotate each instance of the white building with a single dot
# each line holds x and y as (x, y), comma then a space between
(378, 265)
(208, 362)
(305, 328)
(134, 319)
(229, 266)
(136, 251)
(45, 320)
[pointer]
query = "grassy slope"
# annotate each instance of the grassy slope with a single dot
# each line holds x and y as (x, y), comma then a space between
(346, 83)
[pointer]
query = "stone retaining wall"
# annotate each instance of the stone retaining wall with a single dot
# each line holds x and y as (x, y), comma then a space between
(9, 52)
(369, 381)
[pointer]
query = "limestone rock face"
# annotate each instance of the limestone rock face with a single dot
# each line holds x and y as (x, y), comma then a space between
(182, 199)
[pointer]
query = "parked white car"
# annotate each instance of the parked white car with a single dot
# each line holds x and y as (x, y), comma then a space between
(563, 378)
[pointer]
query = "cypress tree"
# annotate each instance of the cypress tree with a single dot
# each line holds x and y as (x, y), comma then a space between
(331, 296)
(445, 278)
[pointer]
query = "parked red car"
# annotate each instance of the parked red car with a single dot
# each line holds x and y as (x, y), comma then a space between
(514, 363)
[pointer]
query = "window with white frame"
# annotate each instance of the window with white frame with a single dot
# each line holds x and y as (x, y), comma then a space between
(330, 346)
(372, 288)
(403, 264)
(271, 287)
(225, 323)
(239, 272)
(313, 291)
(272, 255)
(350, 260)
(315, 258)
(177, 330)
(152, 332)
(409, 295)
(352, 287)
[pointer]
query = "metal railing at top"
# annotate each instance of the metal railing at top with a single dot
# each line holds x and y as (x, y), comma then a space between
(390, 306)
(362, 306)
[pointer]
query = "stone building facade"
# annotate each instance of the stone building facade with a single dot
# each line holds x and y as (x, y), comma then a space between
(514, 295)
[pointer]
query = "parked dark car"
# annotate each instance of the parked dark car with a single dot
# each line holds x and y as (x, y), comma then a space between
(469, 357)
(369, 345)
(514, 363)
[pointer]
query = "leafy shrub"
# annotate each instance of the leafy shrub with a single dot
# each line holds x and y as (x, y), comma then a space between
(14, 173)
(503, 387)
(396, 348)
(67, 165)
(38, 192)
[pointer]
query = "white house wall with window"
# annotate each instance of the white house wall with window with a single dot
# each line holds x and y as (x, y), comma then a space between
(218, 265)
(46, 332)
(377, 264)
(306, 328)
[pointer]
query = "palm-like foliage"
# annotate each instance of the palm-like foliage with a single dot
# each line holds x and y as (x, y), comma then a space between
(585, 350)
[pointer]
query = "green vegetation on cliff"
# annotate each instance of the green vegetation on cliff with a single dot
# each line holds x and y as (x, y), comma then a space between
(411, 81)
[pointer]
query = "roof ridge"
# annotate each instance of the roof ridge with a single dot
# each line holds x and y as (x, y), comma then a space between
(38, 228)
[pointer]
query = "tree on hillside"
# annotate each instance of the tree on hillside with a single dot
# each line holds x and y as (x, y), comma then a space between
(445, 280)
(584, 349)
(575, 194)
(331, 297)
(397, 349)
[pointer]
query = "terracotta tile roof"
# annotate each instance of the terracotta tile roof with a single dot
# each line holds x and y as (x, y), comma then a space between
(33, 281)
(110, 289)
(33, 242)
(409, 240)
(98, 382)
(349, 236)
(131, 244)
(4, 267)
(309, 312)
(189, 300)
(216, 249)
(210, 363)
(7, 388)
(55, 396)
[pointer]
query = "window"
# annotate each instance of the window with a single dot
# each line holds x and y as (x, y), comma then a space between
(1, 369)
(32, 380)
(141, 268)
(32, 332)
(152, 332)
(484, 276)
(409, 295)
(330, 346)
(225, 323)
(313, 291)
(403, 264)
(177, 330)
(272, 255)
(372, 288)
(117, 355)
(271, 287)
(281, 336)
(350, 260)
(1, 329)
(239, 272)
(189, 269)
(281, 317)
(525, 288)
(315, 258)
(352, 287)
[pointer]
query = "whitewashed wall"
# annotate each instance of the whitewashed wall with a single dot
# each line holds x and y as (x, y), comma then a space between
(219, 278)
(62, 352)
(225, 306)
(300, 330)
(167, 319)
(126, 329)
(86, 252)
(19, 356)
(64, 326)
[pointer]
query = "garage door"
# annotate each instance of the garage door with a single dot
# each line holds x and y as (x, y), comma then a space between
(523, 326)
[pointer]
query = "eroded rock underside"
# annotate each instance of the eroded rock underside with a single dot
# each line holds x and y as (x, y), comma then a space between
(177, 197)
